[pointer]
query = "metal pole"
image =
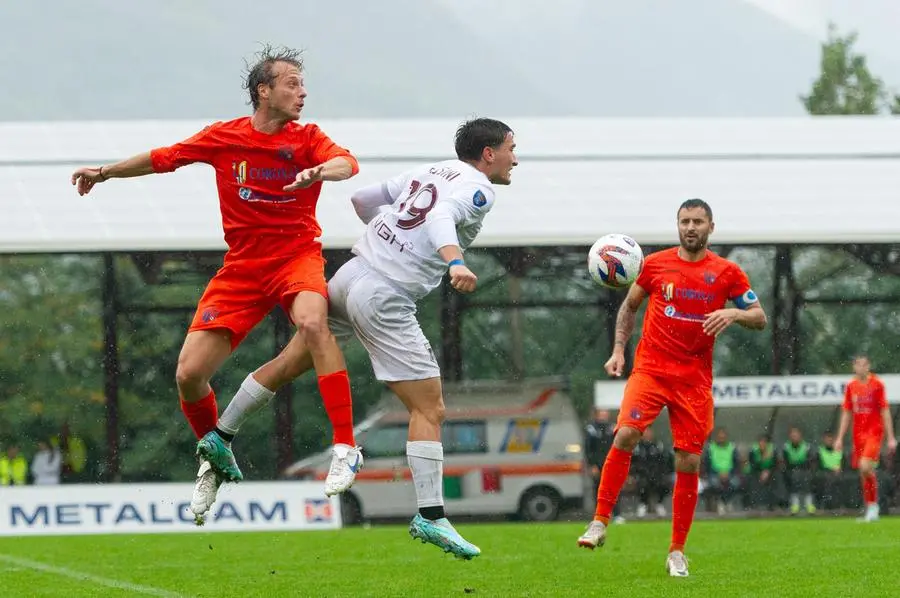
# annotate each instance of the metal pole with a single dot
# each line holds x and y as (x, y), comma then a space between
(284, 420)
(111, 366)
(451, 333)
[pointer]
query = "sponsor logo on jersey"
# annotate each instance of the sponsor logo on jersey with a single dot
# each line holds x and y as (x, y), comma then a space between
(670, 291)
(672, 312)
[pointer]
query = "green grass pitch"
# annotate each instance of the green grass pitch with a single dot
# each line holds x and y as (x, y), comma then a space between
(784, 558)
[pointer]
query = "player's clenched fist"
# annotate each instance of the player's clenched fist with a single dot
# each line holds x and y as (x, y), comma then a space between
(615, 365)
(462, 279)
(84, 179)
(305, 178)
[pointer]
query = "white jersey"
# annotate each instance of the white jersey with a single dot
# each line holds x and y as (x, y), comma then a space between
(399, 242)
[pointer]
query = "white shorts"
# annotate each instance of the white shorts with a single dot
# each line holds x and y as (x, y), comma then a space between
(383, 318)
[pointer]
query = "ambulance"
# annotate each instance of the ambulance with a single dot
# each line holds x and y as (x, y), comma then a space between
(509, 449)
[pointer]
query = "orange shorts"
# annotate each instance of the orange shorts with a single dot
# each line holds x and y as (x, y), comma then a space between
(244, 291)
(690, 409)
(866, 447)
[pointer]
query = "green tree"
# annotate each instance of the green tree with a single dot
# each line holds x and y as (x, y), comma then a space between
(845, 84)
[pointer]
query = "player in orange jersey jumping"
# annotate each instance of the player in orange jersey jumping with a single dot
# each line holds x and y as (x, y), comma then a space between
(688, 287)
(269, 173)
(866, 403)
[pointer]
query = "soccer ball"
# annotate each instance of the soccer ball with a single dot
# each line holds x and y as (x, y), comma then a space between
(615, 261)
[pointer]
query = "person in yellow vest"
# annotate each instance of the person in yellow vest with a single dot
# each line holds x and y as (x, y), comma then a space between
(760, 481)
(796, 460)
(829, 473)
(13, 468)
(722, 466)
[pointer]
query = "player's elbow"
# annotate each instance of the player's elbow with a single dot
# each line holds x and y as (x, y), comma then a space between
(756, 319)
(762, 320)
(352, 166)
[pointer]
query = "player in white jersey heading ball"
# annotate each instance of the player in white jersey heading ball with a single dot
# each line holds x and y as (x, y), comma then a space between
(419, 224)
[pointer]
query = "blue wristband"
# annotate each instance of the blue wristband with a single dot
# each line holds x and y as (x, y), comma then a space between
(457, 262)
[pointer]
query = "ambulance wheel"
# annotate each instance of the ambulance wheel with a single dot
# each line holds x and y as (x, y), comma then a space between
(540, 504)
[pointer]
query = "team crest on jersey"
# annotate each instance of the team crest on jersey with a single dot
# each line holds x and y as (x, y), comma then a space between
(479, 199)
(239, 170)
(709, 277)
(668, 291)
(286, 153)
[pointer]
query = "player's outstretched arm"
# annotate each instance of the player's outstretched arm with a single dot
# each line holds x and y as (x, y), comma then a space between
(84, 179)
(335, 169)
(625, 320)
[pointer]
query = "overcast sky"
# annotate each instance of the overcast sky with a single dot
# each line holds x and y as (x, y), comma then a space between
(100, 59)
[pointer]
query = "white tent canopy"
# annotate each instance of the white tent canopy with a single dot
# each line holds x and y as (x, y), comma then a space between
(808, 180)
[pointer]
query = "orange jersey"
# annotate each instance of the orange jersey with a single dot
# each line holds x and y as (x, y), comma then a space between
(673, 343)
(251, 170)
(866, 399)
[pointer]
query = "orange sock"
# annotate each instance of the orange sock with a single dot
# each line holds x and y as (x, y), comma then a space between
(870, 489)
(335, 391)
(684, 503)
(612, 478)
(202, 415)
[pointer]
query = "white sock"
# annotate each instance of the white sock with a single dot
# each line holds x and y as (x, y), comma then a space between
(795, 500)
(809, 500)
(250, 398)
(426, 461)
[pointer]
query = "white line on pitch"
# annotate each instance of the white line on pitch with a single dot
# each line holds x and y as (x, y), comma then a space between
(103, 581)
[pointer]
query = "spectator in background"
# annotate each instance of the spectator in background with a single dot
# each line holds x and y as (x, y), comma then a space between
(829, 473)
(721, 463)
(13, 468)
(652, 467)
(761, 463)
(46, 466)
(797, 462)
(598, 438)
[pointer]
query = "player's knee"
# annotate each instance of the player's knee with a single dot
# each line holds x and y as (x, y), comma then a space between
(434, 412)
(189, 375)
(627, 438)
(431, 411)
(687, 462)
(313, 329)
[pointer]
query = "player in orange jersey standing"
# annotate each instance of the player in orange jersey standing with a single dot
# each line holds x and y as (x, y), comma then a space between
(269, 174)
(865, 402)
(688, 287)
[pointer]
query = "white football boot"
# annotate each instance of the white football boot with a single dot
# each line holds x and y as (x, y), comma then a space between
(205, 490)
(346, 461)
(676, 564)
(594, 535)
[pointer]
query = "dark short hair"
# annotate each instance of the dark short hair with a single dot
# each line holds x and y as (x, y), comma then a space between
(260, 72)
(474, 135)
(859, 356)
(695, 203)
